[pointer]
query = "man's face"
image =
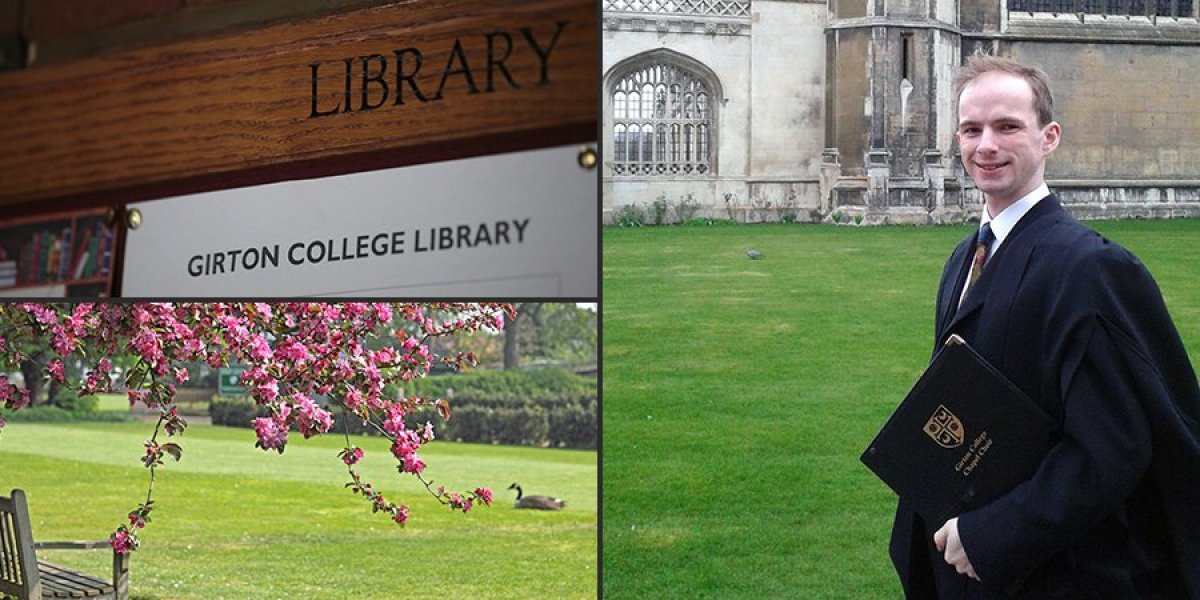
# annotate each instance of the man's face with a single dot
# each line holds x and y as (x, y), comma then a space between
(1003, 147)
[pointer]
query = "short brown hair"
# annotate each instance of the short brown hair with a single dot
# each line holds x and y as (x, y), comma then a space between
(982, 64)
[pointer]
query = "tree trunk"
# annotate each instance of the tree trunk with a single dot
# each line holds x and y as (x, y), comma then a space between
(512, 331)
(31, 370)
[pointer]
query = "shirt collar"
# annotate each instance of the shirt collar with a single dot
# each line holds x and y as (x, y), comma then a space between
(1003, 223)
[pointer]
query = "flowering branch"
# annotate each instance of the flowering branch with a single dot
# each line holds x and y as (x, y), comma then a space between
(294, 354)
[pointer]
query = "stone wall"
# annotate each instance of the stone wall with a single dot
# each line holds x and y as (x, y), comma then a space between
(770, 119)
(846, 108)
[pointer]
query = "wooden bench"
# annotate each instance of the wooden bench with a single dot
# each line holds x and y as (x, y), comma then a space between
(24, 576)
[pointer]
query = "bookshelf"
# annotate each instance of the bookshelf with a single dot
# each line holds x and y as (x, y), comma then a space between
(63, 255)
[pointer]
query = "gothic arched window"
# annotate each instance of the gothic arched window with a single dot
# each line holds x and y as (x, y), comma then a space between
(662, 121)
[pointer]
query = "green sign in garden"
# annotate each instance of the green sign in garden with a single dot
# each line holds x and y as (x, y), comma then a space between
(229, 382)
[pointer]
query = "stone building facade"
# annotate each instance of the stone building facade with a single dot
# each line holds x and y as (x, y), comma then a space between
(842, 110)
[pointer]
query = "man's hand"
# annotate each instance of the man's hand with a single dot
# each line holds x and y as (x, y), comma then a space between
(947, 542)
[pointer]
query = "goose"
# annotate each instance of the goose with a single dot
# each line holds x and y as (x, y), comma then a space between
(539, 502)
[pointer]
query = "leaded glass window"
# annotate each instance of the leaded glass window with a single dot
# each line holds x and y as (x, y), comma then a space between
(662, 122)
(1162, 8)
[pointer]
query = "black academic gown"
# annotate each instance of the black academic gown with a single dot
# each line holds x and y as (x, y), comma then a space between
(1113, 510)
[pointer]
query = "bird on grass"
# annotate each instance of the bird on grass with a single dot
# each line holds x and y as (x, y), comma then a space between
(538, 502)
(754, 254)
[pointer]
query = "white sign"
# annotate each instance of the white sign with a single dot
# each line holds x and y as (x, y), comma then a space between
(506, 226)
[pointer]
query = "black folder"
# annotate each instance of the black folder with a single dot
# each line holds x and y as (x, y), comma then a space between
(962, 437)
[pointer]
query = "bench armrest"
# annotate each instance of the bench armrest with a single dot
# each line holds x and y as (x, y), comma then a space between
(71, 545)
(120, 565)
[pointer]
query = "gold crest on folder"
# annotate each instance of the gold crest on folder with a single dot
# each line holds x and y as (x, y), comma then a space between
(945, 428)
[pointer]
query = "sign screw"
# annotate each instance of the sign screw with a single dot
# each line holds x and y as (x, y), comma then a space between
(588, 158)
(133, 218)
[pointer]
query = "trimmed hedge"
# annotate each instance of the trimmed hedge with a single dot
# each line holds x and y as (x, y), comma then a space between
(234, 411)
(68, 407)
(545, 407)
(70, 401)
(507, 389)
(55, 414)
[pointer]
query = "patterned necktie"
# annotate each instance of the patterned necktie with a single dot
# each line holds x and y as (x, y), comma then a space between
(983, 243)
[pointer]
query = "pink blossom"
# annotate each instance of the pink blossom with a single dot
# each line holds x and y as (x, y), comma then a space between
(351, 456)
(44, 314)
(272, 431)
(427, 432)
(266, 392)
(56, 370)
(290, 349)
(484, 494)
(253, 375)
(394, 422)
(457, 501)
(260, 349)
(21, 400)
(104, 365)
(383, 313)
(136, 520)
(122, 542)
(181, 375)
(236, 333)
(14, 398)
(353, 398)
(192, 347)
(412, 464)
(372, 373)
(311, 418)
(264, 309)
(402, 448)
(400, 515)
(384, 356)
(62, 341)
(136, 396)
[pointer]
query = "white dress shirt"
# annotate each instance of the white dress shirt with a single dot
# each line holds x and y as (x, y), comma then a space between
(1003, 223)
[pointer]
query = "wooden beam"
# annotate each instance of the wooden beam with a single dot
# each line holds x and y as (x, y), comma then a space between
(398, 84)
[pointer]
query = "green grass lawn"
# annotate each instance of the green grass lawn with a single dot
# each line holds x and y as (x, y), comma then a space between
(235, 522)
(739, 394)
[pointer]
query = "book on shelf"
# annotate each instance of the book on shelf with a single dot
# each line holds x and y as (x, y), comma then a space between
(106, 248)
(79, 263)
(64, 256)
(59, 250)
(8, 273)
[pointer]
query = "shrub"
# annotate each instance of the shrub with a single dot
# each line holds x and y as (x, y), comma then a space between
(686, 209)
(542, 407)
(70, 401)
(573, 426)
(659, 208)
(234, 411)
(787, 208)
(506, 389)
(631, 215)
(55, 414)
